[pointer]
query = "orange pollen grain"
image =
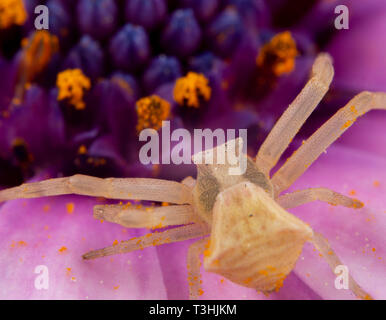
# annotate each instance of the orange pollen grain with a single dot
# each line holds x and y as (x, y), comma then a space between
(352, 193)
(21, 244)
(263, 272)
(62, 249)
(279, 283)
(190, 89)
(354, 110)
(347, 124)
(247, 281)
(70, 207)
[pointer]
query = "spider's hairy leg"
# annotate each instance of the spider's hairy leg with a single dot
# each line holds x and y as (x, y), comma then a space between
(178, 234)
(297, 198)
(150, 217)
(194, 264)
(322, 245)
(113, 188)
(296, 114)
(302, 158)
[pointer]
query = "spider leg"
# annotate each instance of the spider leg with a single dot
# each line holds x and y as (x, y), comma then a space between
(189, 181)
(297, 198)
(150, 217)
(321, 244)
(152, 239)
(296, 114)
(302, 158)
(194, 264)
(114, 188)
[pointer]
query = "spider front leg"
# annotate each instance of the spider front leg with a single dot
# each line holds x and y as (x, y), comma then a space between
(194, 264)
(152, 239)
(113, 188)
(148, 217)
(302, 158)
(297, 198)
(296, 114)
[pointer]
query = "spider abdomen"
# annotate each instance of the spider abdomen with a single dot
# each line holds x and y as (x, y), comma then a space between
(254, 242)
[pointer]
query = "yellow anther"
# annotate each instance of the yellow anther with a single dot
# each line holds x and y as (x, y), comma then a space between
(189, 89)
(278, 54)
(12, 12)
(151, 112)
(71, 84)
(123, 85)
(82, 149)
(38, 50)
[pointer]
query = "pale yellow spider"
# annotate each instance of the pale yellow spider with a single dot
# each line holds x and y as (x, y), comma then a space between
(253, 240)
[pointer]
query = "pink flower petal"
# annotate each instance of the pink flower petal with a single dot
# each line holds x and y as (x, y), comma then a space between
(367, 134)
(55, 232)
(357, 236)
(359, 53)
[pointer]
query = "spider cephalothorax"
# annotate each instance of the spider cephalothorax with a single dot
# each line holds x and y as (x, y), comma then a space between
(253, 240)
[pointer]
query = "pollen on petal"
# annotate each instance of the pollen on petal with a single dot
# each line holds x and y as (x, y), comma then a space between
(278, 54)
(151, 112)
(191, 88)
(72, 84)
(207, 251)
(376, 183)
(62, 249)
(70, 207)
(12, 12)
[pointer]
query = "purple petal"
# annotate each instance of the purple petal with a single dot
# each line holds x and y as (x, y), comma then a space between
(46, 232)
(357, 236)
(359, 52)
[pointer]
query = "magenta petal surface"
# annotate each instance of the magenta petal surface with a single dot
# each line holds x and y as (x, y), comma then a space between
(357, 236)
(55, 232)
(367, 134)
(359, 53)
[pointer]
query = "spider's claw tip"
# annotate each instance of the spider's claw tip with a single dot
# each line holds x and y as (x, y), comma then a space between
(358, 204)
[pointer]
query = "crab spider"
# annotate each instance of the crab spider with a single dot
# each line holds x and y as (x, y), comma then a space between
(246, 233)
